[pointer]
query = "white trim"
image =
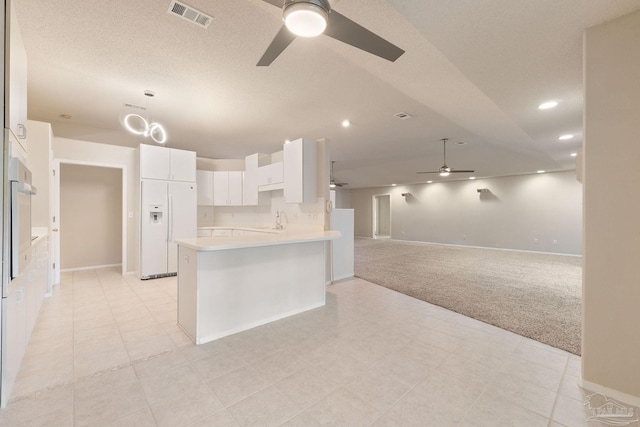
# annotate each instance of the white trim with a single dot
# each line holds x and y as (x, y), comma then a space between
(610, 393)
(94, 267)
(125, 222)
(474, 247)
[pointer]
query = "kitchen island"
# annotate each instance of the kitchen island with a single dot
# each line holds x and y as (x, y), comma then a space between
(231, 284)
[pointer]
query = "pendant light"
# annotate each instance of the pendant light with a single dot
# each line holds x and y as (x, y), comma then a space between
(138, 125)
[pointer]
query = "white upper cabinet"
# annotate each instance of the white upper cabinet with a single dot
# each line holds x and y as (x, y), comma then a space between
(16, 95)
(271, 174)
(204, 180)
(227, 188)
(183, 165)
(300, 171)
(252, 166)
(167, 163)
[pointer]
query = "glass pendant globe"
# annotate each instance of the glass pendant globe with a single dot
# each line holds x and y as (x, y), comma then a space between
(305, 19)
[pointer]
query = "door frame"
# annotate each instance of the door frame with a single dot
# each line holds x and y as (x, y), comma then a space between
(55, 218)
(374, 213)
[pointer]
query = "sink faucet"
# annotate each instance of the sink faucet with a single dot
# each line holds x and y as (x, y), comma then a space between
(279, 225)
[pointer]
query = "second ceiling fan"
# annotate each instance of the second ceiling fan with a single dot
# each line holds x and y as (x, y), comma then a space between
(310, 18)
(444, 169)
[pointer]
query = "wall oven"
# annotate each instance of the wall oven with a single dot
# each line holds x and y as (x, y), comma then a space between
(20, 219)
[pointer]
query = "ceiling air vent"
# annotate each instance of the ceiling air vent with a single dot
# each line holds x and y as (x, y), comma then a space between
(190, 14)
(403, 116)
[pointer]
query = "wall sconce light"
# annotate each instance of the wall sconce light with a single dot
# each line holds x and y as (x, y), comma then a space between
(483, 190)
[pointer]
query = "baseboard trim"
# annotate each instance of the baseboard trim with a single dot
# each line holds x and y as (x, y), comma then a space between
(610, 393)
(95, 267)
(469, 246)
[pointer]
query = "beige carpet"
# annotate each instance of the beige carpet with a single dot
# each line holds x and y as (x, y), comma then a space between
(532, 294)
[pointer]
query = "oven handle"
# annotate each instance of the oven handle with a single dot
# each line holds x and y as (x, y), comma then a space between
(23, 187)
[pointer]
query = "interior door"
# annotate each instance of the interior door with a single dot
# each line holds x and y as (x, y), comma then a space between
(382, 216)
(183, 213)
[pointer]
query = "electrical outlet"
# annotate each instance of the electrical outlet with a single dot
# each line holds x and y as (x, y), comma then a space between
(555, 242)
(536, 241)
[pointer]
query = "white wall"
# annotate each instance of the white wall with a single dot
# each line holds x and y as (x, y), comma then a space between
(611, 280)
(83, 151)
(40, 137)
(90, 216)
(527, 212)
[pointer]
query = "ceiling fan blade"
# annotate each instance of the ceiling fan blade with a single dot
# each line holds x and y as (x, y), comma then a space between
(342, 28)
(461, 171)
(276, 3)
(279, 44)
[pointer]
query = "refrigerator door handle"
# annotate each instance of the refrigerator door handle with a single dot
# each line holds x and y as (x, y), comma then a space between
(170, 236)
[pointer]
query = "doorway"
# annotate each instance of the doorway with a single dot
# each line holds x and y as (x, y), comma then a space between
(89, 221)
(382, 216)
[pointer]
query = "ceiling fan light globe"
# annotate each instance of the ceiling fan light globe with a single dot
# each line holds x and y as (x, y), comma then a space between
(444, 173)
(305, 19)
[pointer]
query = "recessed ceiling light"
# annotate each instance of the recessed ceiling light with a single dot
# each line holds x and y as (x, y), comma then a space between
(429, 182)
(574, 154)
(286, 141)
(346, 123)
(541, 171)
(403, 116)
(472, 177)
(565, 137)
(547, 105)
(393, 185)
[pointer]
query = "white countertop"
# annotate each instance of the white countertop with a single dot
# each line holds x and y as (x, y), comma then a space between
(266, 239)
(261, 230)
(39, 233)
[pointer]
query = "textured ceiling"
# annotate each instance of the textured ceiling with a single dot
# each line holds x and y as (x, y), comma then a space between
(473, 71)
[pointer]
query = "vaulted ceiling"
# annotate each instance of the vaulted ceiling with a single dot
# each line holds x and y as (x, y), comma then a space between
(474, 71)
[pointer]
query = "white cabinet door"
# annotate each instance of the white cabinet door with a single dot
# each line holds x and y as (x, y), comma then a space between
(300, 164)
(276, 172)
(271, 174)
(250, 187)
(221, 188)
(235, 188)
(227, 188)
(155, 162)
(204, 180)
(167, 163)
(183, 165)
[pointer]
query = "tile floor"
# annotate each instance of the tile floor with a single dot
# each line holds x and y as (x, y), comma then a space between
(107, 352)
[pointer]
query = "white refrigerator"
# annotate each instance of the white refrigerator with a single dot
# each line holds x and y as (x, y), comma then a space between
(168, 212)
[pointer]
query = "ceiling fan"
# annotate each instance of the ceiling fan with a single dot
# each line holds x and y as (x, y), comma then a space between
(310, 18)
(332, 181)
(444, 169)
